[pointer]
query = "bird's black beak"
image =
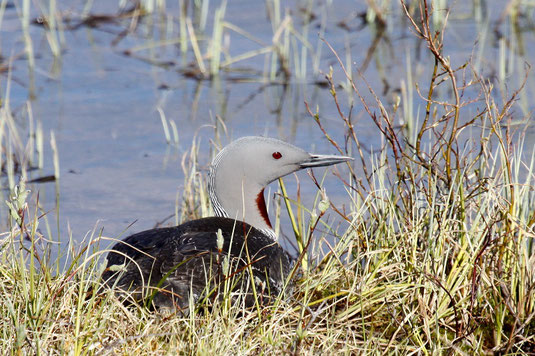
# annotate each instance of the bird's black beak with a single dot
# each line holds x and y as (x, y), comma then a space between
(323, 160)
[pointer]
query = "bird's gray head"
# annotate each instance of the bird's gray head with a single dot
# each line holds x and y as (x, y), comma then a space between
(241, 171)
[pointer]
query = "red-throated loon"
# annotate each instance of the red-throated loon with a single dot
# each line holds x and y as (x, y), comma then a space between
(168, 266)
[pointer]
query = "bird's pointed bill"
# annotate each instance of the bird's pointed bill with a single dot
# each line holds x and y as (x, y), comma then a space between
(324, 160)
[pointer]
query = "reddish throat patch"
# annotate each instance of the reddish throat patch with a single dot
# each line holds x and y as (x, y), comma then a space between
(261, 203)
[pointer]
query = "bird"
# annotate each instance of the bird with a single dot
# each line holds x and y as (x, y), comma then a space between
(236, 250)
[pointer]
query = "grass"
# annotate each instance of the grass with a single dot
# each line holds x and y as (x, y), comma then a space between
(436, 255)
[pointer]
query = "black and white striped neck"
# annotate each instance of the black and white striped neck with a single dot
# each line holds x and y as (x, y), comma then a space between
(260, 214)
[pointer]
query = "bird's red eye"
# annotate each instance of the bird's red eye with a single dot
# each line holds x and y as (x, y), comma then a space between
(277, 155)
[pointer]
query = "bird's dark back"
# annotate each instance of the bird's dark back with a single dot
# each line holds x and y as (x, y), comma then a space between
(177, 262)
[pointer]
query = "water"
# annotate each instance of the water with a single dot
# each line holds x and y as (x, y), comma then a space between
(116, 168)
